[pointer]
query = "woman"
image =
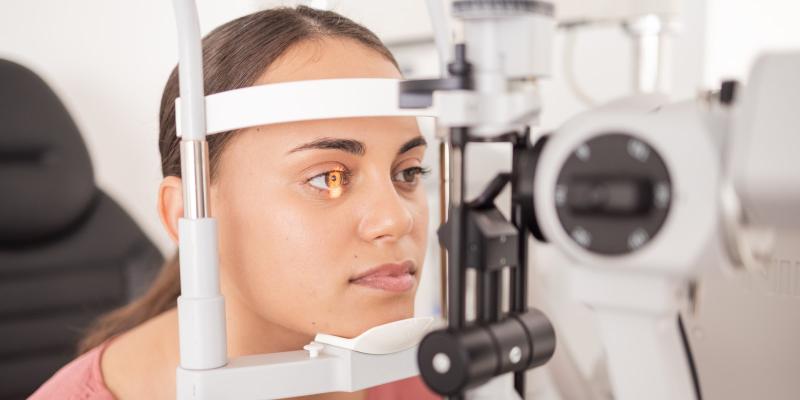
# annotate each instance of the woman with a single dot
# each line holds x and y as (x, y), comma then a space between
(322, 224)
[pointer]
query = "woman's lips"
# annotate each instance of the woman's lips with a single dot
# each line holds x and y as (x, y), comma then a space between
(389, 277)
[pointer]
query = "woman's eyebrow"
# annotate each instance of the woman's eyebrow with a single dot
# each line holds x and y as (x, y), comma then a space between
(417, 141)
(349, 145)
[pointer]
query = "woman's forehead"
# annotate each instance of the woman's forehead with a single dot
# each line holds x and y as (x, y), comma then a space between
(371, 131)
(328, 58)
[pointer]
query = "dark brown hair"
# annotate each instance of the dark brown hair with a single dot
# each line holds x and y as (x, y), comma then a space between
(235, 55)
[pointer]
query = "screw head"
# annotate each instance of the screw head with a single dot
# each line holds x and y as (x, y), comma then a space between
(441, 363)
(515, 355)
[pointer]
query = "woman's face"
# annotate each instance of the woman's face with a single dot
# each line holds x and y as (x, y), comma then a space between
(323, 223)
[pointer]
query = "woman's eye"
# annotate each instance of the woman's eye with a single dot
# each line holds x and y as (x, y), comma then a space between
(332, 182)
(410, 175)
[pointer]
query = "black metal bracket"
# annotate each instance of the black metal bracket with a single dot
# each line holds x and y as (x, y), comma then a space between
(419, 93)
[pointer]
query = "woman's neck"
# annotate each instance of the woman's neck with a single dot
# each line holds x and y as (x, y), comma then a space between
(249, 333)
(150, 352)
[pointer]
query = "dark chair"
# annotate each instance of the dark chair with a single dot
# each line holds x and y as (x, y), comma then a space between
(68, 252)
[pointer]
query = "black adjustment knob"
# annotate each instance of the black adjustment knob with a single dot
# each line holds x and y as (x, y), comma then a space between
(513, 346)
(453, 361)
(727, 92)
(541, 334)
(459, 66)
(450, 362)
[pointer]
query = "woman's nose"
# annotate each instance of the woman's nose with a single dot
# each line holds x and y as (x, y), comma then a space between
(386, 215)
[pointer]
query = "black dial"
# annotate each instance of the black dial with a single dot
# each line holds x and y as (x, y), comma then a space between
(613, 194)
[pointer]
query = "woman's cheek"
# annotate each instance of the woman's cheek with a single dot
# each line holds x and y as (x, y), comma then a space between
(421, 213)
(310, 241)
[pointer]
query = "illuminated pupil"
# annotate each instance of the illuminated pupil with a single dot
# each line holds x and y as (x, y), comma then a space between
(333, 179)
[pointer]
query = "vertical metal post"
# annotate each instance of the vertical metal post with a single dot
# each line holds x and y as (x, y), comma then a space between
(194, 177)
(201, 308)
(456, 270)
(519, 276)
(444, 198)
(489, 300)
(456, 316)
(649, 33)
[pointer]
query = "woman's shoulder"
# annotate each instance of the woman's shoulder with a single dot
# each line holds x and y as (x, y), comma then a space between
(406, 389)
(81, 379)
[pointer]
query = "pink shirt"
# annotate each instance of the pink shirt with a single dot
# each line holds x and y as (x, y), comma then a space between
(82, 379)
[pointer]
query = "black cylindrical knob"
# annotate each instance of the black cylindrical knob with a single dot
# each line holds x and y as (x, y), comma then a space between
(459, 66)
(727, 92)
(541, 334)
(513, 345)
(450, 362)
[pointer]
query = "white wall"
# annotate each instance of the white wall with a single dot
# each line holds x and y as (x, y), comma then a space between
(739, 30)
(108, 61)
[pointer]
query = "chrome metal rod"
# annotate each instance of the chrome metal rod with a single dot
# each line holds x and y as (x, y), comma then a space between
(456, 271)
(648, 33)
(444, 198)
(194, 172)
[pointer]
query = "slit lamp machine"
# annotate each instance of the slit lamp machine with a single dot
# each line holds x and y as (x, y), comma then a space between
(633, 192)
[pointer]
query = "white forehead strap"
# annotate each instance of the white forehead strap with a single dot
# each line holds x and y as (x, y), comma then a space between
(302, 101)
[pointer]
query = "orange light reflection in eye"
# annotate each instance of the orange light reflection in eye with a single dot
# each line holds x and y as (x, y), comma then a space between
(335, 193)
(334, 180)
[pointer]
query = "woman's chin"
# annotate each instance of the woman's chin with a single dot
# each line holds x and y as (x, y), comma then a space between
(362, 324)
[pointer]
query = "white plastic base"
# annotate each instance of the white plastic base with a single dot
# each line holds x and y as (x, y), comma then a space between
(296, 373)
